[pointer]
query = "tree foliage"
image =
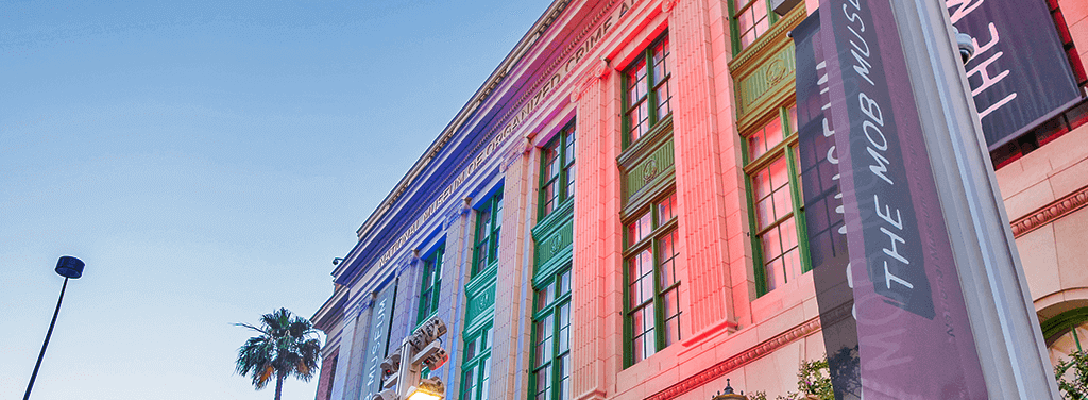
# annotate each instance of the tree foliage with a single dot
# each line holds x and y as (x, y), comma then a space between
(1072, 376)
(287, 346)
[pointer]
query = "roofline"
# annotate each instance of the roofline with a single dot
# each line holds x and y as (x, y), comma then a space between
(470, 107)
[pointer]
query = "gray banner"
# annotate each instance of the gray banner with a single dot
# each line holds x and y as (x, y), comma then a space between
(914, 336)
(378, 340)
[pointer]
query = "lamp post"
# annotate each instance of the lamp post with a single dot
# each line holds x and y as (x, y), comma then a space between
(70, 268)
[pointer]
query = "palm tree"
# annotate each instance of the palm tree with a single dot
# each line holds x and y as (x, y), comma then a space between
(286, 346)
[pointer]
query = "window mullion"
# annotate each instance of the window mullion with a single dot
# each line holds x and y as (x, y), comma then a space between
(798, 213)
(651, 97)
(659, 317)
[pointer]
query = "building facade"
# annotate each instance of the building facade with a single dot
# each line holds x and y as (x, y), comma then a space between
(616, 214)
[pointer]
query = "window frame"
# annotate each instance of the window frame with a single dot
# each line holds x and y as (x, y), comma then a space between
(567, 137)
(652, 241)
(734, 29)
(481, 358)
(652, 118)
(786, 148)
(429, 294)
(494, 207)
(555, 353)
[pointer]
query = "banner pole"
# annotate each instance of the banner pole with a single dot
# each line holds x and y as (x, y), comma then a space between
(1000, 307)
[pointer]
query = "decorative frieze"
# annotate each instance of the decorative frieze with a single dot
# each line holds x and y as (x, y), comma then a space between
(657, 165)
(1050, 212)
(738, 360)
(763, 74)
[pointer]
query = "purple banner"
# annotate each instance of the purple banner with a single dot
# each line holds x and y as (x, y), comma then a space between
(913, 332)
(824, 222)
(1019, 74)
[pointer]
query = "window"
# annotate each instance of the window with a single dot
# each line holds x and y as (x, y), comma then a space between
(652, 290)
(551, 338)
(557, 177)
(488, 222)
(647, 95)
(432, 282)
(751, 19)
(476, 370)
(777, 210)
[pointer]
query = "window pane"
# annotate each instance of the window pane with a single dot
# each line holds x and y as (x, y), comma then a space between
(667, 263)
(543, 383)
(773, 132)
(469, 384)
(772, 244)
(666, 209)
(757, 145)
(564, 377)
(564, 327)
(548, 198)
(659, 56)
(638, 229)
(759, 12)
(572, 171)
(791, 113)
(744, 21)
(564, 283)
(761, 184)
(663, 97)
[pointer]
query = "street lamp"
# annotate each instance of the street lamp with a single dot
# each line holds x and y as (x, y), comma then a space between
(70, 268)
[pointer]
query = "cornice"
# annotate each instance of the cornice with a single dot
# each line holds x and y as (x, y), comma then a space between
(1050, 212)
(738, 360)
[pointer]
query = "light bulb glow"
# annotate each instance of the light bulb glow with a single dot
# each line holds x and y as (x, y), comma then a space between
(423, 395)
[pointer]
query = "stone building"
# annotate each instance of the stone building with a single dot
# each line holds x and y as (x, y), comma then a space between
(615, 214)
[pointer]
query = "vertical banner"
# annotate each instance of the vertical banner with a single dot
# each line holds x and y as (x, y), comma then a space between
(914, 337)
(824, 221)
(378, 340)
(1019, 74)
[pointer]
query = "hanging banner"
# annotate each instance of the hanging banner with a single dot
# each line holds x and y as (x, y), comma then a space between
(914, 337)
(824, 221)
(378, 340)
(1019, 74)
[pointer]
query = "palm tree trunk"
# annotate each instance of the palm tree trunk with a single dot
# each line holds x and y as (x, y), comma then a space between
(279, 384)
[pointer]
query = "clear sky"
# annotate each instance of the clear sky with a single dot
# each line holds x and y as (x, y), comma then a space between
(207, 160)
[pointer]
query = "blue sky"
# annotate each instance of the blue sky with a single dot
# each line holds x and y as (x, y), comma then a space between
(206, 160)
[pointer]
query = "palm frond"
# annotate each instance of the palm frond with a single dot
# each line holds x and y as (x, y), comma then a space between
(286, 346)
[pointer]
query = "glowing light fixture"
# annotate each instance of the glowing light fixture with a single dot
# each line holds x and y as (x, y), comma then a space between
(428, 389)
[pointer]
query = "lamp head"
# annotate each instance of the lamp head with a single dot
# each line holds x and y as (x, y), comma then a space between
(69, 267)
(428, 389)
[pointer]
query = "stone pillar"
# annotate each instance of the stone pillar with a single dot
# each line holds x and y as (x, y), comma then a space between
(509, 347)
(597, 328)
(701, 192)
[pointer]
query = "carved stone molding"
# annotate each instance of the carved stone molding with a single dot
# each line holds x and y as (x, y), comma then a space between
(1050, 212)
(738, 360)
(583, 88)
(668, 5)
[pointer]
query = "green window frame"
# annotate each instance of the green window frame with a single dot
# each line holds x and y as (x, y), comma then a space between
(488, 225)
(550, 371)
(776, 209)
(430, 284)
(557, 170)
(751, 19)
(647, 94)
(651, 293)
(476, 370)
